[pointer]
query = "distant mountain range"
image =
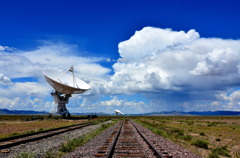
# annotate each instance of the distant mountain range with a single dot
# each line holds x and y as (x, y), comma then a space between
(170, 113)
(21, 112)
(193, 113)
(32, 112)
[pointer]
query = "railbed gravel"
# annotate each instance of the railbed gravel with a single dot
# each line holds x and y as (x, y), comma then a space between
(48, 145)
(52, 144)
(91, 148)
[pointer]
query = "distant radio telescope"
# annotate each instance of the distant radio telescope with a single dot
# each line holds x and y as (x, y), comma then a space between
(118, 112)
(64, 85)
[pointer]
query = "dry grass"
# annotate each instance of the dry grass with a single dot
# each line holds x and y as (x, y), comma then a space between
(218, 131)
(21, 126)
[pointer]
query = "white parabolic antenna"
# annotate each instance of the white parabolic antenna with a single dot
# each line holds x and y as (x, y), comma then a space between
(65, 85)
(118, 112)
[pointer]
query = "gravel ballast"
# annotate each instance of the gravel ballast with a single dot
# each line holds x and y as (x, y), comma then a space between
(91, 148)
(48, 145)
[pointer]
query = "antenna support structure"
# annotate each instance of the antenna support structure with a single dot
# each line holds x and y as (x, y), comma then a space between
(65, 85)
(62, 100)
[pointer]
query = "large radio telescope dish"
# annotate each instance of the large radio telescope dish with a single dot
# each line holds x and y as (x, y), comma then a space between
(65, 85)
(118, 112)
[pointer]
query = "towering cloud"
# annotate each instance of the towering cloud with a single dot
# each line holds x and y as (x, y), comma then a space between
(164, 69)
(181, 67)
(162, 59)
(151, 41)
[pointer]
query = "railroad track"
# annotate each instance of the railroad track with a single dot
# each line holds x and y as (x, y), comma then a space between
(25, 138)
(128, 141)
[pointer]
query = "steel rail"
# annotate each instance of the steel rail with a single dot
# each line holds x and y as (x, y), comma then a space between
(12, 141)
(111, 150)
(110, 154)
(156, 152)
(35, 133)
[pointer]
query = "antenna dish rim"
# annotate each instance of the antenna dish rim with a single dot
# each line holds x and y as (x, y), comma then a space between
(65, 88)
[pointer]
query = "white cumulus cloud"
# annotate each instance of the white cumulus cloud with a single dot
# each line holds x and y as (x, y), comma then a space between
(235, 96)
(181, 67)
(19, 66)
(5, 80)
(6, 48)
(163, 59)
(218, 62)
(172, 69)
(150, 41)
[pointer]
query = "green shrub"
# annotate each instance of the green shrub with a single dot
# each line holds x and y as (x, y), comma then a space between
(49, 154)
(190, 122)
(202, 134)
(200, 143)
(217, 139)
(160, 132)
(212, 124)
(72, 144)
(40, 129)
(186, 137)
(222, 151)
(25, 155)
(28, 132)
(178, 132)
(103, 125)
(158, 129)
(14, 134)
(213, 155)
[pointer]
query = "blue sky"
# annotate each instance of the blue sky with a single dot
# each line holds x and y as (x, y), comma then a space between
(138, 56)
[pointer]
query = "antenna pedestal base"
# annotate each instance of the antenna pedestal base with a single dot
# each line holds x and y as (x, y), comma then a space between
(62, 100)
